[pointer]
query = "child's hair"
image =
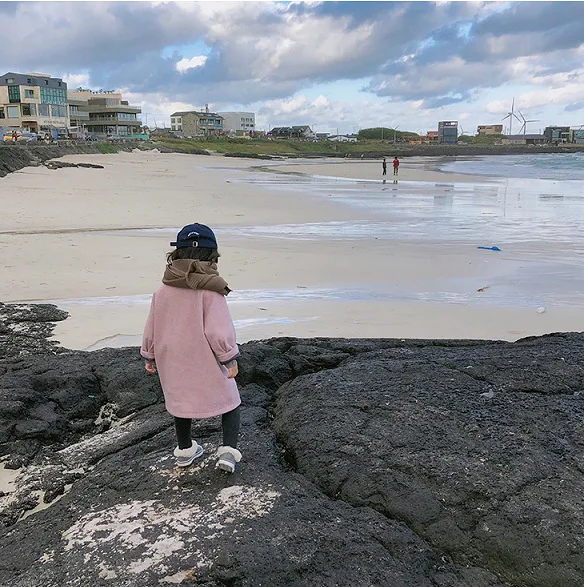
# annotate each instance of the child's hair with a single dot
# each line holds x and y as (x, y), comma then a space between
(197, 253)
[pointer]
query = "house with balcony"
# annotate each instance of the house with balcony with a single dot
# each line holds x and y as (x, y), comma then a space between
(103, 114)
(195, 123)
(34, 101)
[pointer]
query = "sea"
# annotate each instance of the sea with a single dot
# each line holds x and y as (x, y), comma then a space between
(544, 166)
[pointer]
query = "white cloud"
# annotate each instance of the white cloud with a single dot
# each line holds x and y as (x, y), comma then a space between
(76, 80)
(186, 64)
(418, 61)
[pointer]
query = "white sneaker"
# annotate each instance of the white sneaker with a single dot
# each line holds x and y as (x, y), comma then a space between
(227, 457)
(185, 456)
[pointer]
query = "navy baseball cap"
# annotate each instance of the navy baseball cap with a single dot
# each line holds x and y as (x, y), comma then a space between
(195, 235)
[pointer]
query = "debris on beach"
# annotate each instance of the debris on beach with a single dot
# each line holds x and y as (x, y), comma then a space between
(483, 288)
(493, 248)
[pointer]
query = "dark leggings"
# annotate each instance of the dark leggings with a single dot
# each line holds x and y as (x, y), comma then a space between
(229, 423)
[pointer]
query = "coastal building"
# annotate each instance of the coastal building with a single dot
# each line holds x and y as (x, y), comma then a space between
(431, 137)
(197, 123)
(448, 132)
(302, 132)
(557, 134)
(238, 123)
(34, 101)
(343, 138)
(485, 130)
(523, 139)
(577, 136)
(103, 114)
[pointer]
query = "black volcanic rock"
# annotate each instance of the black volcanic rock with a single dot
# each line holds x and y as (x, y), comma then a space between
(366, 462)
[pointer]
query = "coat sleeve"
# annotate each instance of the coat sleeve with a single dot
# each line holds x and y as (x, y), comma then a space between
(218, 327)
(147, 349)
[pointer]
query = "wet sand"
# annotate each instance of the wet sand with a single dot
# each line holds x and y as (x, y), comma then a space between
(306, 256)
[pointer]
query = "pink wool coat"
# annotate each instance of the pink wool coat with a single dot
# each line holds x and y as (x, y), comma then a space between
(189, 333)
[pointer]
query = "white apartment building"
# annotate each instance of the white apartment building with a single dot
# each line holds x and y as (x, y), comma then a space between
(238, 123)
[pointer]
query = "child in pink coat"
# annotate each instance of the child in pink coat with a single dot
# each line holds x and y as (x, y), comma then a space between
(189, 339)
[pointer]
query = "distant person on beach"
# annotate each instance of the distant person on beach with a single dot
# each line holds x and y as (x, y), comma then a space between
(384, 166)
(395, 165)
(189, 339)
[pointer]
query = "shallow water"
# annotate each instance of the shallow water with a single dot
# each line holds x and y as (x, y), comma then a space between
(551, 166)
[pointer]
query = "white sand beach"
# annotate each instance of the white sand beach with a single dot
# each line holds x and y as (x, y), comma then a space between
(347, 255)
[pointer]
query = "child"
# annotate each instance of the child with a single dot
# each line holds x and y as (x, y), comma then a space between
(189, 339)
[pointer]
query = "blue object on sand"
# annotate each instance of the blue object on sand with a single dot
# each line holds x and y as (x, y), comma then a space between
(490, 248)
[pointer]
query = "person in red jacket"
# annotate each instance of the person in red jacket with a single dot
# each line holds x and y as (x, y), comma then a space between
(395, 165)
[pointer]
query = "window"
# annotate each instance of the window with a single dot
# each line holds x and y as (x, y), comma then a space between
(43, 109)
(46, 82)
(58, 111)
(53, 96)
(1, 113)
(29, 109)
(13, 112)
(13, 94)
(173, 120)
(9, 80)
(29, 93)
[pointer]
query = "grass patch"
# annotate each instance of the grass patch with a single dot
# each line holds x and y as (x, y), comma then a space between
(106, 148)
(275, 147)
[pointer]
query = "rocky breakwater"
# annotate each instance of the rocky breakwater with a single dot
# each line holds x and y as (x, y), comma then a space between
(15, 157)
(394, 463)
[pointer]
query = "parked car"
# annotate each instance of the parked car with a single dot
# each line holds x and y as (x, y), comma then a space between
(8, 134)
(28, 137)
(22, 136)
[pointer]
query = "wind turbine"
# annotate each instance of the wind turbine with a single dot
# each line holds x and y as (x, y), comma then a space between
(524, 126)
(394, 129)
(511, 115)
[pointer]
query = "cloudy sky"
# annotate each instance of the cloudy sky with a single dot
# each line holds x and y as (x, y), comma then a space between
(345, 65)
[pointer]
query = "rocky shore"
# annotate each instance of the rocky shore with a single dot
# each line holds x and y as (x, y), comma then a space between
(15, 157)
(395, 463)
